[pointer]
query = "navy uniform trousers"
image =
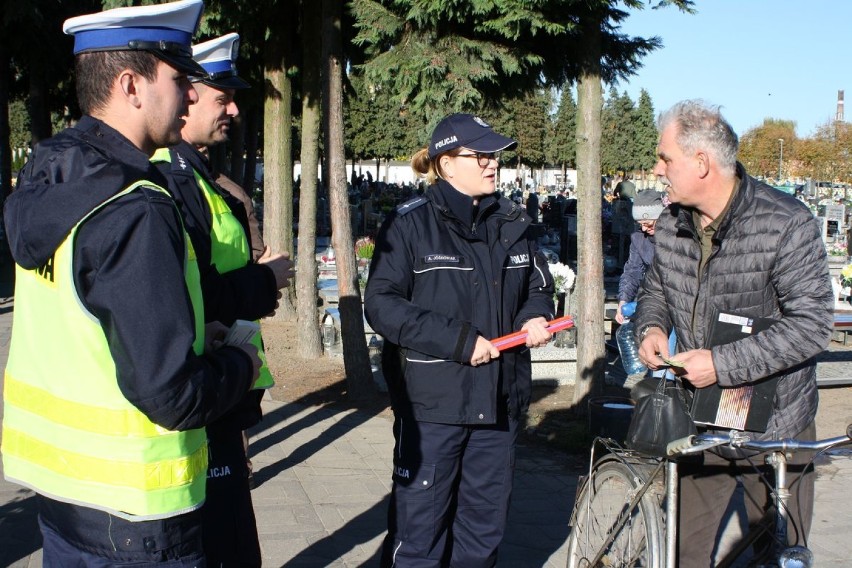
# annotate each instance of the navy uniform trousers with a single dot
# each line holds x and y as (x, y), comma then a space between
(451, 490)
(80, 537)
(230, 528)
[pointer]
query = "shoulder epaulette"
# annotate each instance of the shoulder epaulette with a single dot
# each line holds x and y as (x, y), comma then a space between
(411, 205)
(177, 163)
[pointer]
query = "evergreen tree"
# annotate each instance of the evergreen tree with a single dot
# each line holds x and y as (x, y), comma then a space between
(625, 133)
(378, 127)
(610, 125)
(593, 50)
(563, 141)
(530, 126)
(618, 133)
(645, 134)
(439, 57)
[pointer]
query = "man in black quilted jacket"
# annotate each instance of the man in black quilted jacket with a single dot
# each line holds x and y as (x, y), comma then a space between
(729, 243)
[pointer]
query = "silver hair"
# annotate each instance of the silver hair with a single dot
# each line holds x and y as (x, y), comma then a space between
(701, 125)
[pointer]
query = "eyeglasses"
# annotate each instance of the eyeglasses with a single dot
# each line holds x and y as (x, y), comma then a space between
(647, 224)
(482, 158)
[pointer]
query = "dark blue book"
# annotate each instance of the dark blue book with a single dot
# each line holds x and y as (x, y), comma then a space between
(745, 407)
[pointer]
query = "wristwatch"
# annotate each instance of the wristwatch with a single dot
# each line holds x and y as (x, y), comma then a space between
(645, 331)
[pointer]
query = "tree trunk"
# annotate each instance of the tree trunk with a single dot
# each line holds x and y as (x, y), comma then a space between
(278, 148)
(250, 164)
(37, 103)
(237, 142)
(217, 156)
(591, 355)
(5, 148)
(7, 265)
(308, 338)
(356, 360)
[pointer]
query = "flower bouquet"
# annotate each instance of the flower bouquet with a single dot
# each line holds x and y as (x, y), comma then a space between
(364, 248)
(563, 278)
(563, 282)
(846, 280)
(837, 247)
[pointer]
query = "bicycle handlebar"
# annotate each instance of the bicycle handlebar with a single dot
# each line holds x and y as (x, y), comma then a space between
(741, 440)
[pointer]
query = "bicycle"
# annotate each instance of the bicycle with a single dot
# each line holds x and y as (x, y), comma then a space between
(625, 513)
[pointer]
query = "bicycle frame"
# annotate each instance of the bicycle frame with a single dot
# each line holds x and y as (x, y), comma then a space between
(671, 513)
(776, 458)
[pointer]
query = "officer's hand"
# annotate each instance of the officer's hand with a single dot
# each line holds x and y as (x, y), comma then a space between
(277, 303)
(654, 344)
(214, 336)
(537, 334)
(281, 266)
(251, 351)
(483, 352)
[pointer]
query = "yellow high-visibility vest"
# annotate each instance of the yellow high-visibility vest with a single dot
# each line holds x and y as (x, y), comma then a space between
(229, 249)
(68, 431)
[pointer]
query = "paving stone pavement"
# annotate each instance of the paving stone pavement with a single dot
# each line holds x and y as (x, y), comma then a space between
(323, 478)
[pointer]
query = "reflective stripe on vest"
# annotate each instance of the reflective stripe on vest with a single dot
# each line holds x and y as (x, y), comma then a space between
(68, 431)
(229, 248)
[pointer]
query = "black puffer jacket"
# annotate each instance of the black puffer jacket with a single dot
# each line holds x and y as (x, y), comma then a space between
(436, 283)
(768, 260)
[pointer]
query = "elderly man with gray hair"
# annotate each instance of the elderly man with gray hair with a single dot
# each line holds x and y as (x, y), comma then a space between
(646, 209)
(731, 244)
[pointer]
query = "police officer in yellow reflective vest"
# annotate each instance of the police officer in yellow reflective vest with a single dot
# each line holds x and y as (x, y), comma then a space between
(110, 381)
(233, 287)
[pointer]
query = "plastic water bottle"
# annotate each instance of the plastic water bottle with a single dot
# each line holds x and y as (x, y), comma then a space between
(627, 347)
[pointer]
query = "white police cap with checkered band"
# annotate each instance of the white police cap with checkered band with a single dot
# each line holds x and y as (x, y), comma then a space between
(218, 57)
(165, 30)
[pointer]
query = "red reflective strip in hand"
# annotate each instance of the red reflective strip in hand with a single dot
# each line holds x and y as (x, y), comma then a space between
(514, 339)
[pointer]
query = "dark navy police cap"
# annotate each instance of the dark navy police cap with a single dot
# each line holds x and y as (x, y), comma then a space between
(218, 58)
(467, 131)
(165, 30)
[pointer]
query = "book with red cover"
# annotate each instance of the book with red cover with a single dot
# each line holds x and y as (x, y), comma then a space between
(745, 407)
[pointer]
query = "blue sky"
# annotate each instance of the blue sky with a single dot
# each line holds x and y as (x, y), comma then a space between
(758, 59)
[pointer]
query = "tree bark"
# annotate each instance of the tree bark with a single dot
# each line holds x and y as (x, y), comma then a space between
(278, 146)
(308, 338)
(237, 142)
(591, 355)
(356, 359)
(37, 103)
(7, 265)
(5, 147)
(247, 174)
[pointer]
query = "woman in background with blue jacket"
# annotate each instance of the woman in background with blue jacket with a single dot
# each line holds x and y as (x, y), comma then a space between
(452, 269)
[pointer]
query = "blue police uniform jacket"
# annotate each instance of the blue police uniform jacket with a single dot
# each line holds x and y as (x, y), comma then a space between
(443, 273)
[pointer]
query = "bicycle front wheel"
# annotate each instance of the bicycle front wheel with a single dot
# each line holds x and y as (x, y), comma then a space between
(603, 513)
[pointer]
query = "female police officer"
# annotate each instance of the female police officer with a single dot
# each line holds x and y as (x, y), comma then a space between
(452, 268)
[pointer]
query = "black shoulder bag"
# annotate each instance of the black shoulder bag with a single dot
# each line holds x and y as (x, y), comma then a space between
(660, 418)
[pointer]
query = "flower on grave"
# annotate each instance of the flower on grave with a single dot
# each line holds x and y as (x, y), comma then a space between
(846, 275)
(364, 247)
(837, 247)
(563, 277)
